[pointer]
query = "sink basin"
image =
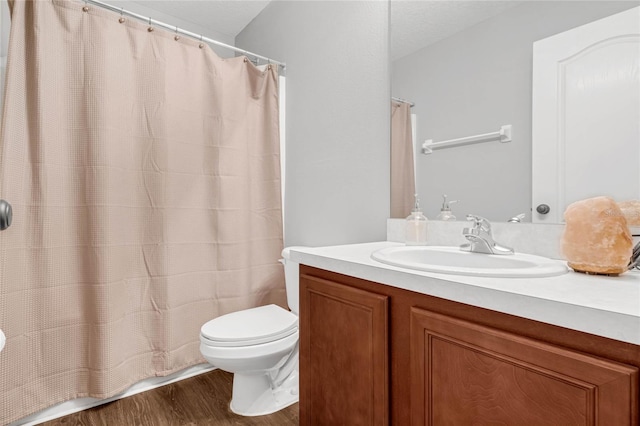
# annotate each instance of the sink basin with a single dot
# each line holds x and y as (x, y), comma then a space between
(451, 260)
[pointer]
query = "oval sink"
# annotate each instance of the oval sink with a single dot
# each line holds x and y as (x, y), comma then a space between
(451, 260)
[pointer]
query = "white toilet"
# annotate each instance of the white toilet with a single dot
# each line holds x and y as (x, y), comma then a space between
(260, 347)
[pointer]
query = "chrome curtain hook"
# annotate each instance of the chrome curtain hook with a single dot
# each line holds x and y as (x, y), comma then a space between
(150, 29)
(201, 45)
(176, 37)
(121, 19)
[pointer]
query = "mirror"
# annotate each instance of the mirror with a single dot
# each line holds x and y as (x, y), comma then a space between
(467, 68)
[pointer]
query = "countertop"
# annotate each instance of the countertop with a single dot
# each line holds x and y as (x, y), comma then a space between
(600, 305)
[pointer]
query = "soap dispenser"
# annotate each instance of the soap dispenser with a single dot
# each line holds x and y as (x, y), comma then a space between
(445, 211)
(415, 231)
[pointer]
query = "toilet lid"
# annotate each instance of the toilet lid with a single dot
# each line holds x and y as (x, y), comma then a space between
(250, 327)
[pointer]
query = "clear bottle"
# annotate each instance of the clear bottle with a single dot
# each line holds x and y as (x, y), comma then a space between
(445, 212)
(415, 231)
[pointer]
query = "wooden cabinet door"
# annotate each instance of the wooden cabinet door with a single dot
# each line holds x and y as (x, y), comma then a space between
(464, 373)
(343, 355)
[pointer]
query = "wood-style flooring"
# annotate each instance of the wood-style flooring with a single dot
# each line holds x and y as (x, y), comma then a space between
(200, 400)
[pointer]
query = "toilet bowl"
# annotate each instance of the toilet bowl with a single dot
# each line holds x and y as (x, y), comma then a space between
(260, 347)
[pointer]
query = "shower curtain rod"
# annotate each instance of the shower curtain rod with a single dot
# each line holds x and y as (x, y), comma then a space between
(404, 101)
(183, 32)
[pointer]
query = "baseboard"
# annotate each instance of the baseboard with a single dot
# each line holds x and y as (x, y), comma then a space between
(75, 405)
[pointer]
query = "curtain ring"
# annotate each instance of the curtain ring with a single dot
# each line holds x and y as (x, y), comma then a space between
(201, 45)
(121, 20)
(150, 29)
(85, 8)
(177, 37)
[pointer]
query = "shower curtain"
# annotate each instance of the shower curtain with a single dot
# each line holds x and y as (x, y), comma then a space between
(144, 174)
(403, 185)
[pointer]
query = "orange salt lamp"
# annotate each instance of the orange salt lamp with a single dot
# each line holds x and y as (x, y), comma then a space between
(596, 238)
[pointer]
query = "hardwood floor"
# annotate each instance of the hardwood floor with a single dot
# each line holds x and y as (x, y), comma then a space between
(200, 400)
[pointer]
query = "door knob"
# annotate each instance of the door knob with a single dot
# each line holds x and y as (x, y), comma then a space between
(6, 214)
(543, 208)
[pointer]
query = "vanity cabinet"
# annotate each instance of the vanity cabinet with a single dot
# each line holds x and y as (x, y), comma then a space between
(372, 354)
(344, 355)
(463, 373)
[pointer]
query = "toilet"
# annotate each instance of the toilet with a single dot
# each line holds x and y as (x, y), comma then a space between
(260, 347)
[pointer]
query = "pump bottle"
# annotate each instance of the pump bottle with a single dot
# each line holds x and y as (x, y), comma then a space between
(415, 231)
(445, 211)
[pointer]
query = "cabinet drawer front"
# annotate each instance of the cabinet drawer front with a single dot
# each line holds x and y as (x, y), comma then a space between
(464, 373)
(343, 355)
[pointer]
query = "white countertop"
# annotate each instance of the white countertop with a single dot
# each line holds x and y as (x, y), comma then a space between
(600, 305)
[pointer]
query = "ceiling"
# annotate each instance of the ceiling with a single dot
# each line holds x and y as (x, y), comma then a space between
(414, 23)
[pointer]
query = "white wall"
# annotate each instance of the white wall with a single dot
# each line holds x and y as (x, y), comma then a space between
(472, 83)
(337, 188)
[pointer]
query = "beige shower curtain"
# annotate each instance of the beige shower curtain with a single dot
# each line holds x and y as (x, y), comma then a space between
(403, 185)
(144, 174)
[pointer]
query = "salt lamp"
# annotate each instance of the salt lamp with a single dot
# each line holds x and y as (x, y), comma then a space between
(596, 238)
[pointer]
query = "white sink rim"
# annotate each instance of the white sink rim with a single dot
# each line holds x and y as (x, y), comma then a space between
(519, 265)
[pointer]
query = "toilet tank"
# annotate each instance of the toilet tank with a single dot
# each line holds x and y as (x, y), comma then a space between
(292, 279)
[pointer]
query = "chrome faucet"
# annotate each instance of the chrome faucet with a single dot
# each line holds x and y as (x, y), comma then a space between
(635, 257)
(481, 239)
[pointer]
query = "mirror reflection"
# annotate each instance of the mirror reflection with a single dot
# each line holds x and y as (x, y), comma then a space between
(467, 68)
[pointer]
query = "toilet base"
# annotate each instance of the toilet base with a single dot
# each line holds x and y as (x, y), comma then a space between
(253, 396)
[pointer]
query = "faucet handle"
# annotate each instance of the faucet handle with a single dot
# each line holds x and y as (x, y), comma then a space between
(479, 222)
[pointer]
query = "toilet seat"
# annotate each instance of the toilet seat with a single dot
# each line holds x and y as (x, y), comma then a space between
(254, 326)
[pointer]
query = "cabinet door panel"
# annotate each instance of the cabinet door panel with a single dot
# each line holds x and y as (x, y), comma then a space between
(343, 355)
(463, 373)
